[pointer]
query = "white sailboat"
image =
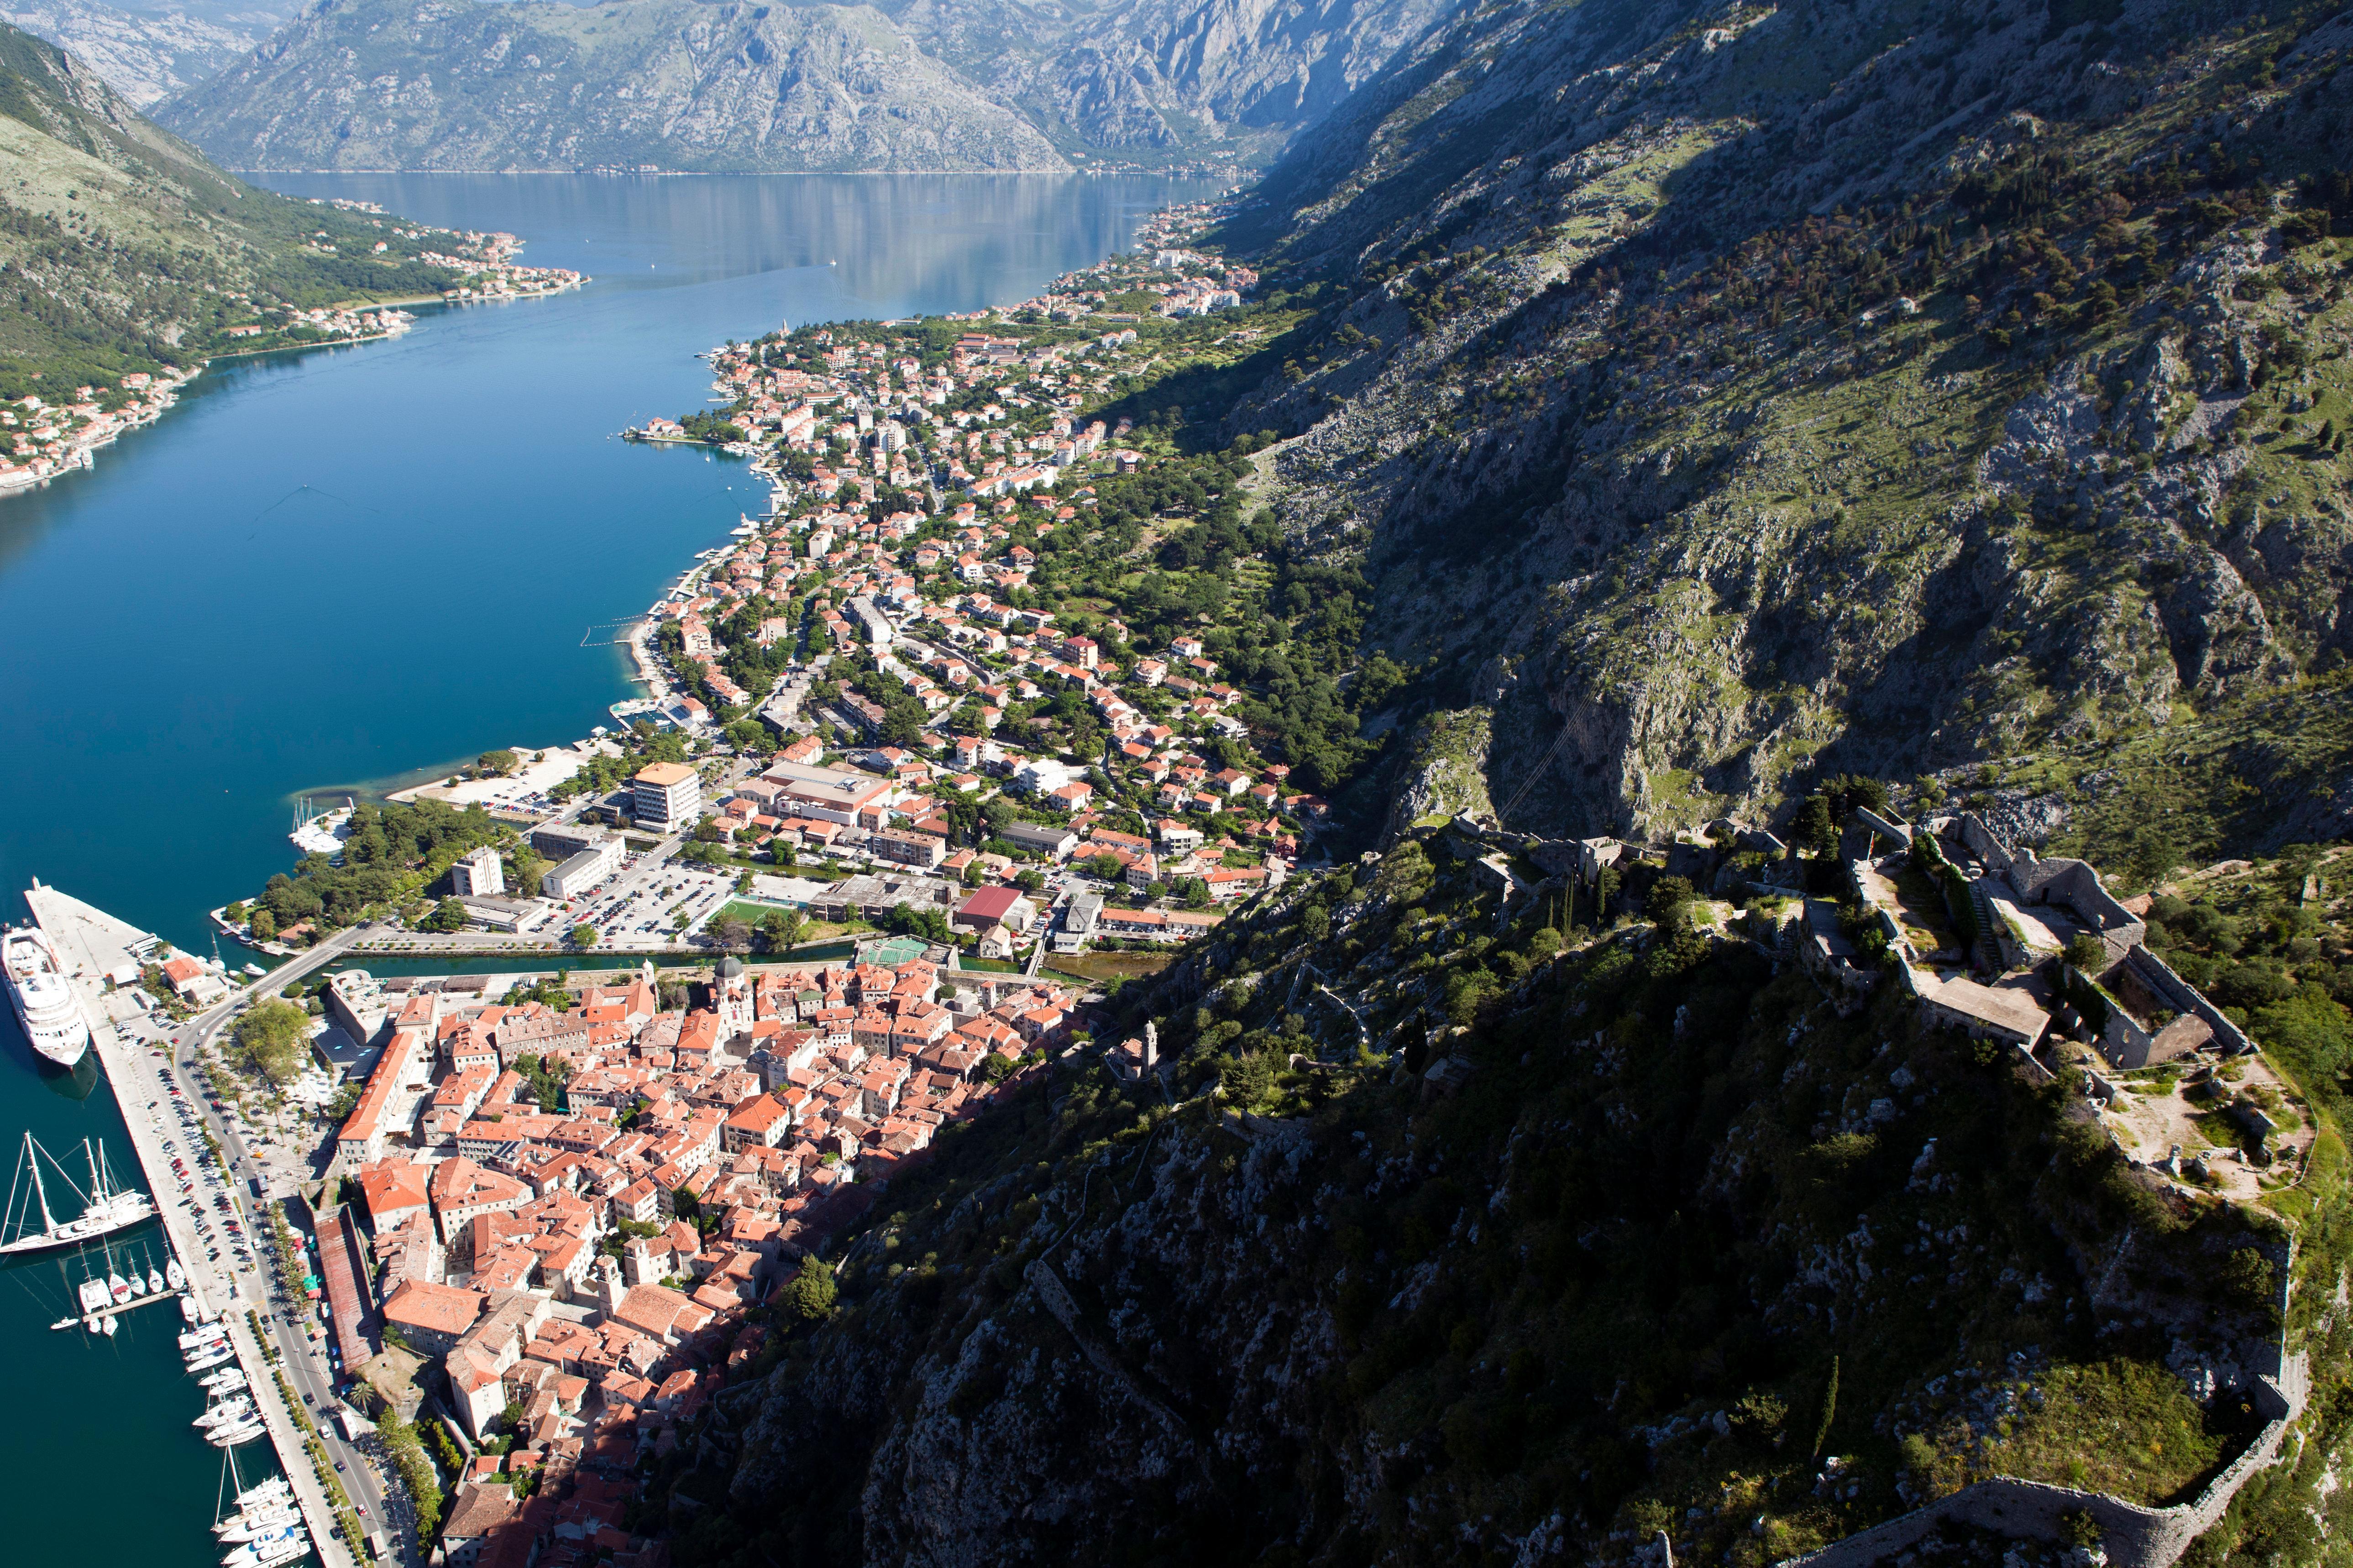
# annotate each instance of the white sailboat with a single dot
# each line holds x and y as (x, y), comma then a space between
(104, 1210)
(108, 1326)
(173, 1274)
(244, 1431)
(276, 1485)
(92, 1294)
(227, 1413)
(154, 1275)
(187, 1309)
(209, 1358)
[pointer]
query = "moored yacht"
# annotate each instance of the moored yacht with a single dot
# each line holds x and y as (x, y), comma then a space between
(44, 998)
(105, 1210)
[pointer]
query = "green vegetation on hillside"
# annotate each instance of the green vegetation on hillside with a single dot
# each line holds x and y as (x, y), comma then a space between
(122, 250)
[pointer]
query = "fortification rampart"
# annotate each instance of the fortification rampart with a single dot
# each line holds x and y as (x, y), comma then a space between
(2134, 1536)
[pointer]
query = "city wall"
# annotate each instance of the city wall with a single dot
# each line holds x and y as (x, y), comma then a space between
(2134, 1536)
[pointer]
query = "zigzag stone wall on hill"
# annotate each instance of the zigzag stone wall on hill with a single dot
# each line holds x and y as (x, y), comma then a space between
(2134, 1536)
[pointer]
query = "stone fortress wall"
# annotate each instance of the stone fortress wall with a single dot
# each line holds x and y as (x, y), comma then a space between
(2134, 1536)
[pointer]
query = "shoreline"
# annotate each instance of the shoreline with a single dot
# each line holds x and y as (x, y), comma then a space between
(80, 449)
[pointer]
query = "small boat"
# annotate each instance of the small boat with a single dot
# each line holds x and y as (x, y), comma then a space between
(64, 1322)
(138, 1283)
(154, 1280)
(204, 1364)
(108, 1326)
(252, 1526)
(93, 1295)
(270, 1550)
(90, 1323)
(118, 1288)
(244, 1431)
(187, 1309)
(173, 1274)
(205, 1335)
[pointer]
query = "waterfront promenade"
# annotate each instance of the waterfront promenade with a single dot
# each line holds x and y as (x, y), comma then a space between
(92, 943)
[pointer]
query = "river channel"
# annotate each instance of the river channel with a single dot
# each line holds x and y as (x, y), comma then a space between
(338, 567)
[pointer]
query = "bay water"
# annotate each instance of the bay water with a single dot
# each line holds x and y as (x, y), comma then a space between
(349, 566)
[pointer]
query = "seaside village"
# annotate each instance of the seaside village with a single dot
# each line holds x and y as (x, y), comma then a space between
(570, 1288)
(39, 440)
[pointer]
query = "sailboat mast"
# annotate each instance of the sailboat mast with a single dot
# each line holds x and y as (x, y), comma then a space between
(48, 1222)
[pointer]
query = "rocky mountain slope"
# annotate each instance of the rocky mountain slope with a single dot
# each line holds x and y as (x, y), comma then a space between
(122, 249)
(144, 58)
(1727, 395)
(672, 84)
(676, 84)
(1669, 1245)
(1140, 80)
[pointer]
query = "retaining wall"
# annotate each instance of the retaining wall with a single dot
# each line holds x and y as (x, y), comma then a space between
(2134, 1536)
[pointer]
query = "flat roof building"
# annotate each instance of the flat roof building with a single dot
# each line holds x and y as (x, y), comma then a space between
(667, 796)
(583, 871)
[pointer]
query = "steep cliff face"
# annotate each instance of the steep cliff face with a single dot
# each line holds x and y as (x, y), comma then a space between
(1786, 390)
(452, 84)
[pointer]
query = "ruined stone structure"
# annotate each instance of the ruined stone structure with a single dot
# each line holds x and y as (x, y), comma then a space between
(2134, 1535)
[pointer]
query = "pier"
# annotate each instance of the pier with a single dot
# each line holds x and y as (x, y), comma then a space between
(93, 944)
(112, 1310)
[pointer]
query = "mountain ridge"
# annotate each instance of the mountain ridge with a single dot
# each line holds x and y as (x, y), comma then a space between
(453, 84)
(681, 84)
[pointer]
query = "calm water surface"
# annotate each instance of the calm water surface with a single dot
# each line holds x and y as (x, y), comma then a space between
(338, 567)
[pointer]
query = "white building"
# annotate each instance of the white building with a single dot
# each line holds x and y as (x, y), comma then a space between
(583, 871)
(669, 796)
(479, 875)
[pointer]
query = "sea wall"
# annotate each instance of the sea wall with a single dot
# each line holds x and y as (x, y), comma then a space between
(2134, 1535)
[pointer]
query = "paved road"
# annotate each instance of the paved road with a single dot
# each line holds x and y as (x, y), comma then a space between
(304, 1360)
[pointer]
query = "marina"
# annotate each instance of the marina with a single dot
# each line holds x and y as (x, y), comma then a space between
(94, 946)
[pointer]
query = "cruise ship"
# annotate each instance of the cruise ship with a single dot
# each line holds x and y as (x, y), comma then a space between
(44, 998)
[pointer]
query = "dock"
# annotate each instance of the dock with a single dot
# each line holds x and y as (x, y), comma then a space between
(112, 1310)
(93, 944)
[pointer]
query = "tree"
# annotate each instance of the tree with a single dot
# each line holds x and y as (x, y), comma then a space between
(272, 1036)
(500, 763)
(583, 935)
(1667, 898)
(809, 1293)
(447, 915)
(264, 926)
(1816, 828)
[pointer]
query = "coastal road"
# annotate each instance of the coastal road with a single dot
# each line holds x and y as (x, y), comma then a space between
(304, 1359)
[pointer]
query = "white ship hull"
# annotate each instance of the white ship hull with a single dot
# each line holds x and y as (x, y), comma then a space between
(47, 1008)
